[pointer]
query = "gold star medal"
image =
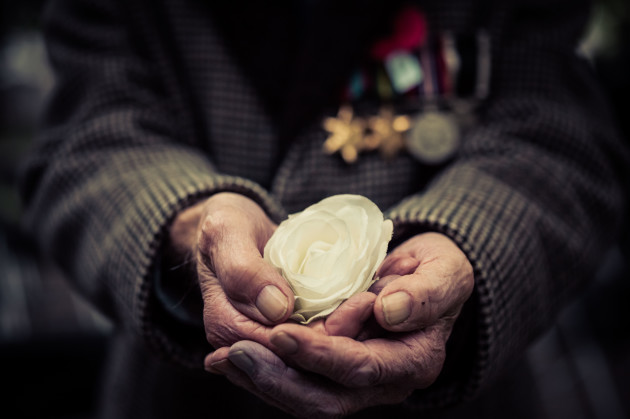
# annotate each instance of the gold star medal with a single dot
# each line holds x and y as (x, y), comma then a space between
(387, 132)
(346, 134)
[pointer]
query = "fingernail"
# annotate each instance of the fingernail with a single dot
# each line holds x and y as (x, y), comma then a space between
(220, 367)
(285, 343)
(242, 361)
(396, 307)
(272, 303)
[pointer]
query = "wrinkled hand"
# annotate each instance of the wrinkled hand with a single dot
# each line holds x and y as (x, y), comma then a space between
(242, 294)
(314, 372)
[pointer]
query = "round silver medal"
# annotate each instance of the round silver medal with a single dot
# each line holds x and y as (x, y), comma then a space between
(433, 138)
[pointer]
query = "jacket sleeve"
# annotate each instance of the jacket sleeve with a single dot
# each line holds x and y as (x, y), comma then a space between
(116, 160)
(534, 196)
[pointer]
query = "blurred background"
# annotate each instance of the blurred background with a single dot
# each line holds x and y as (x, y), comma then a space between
(53, 345)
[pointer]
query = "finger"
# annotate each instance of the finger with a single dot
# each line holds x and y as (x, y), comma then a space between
(218, 362)
(378, 286)
(416, 358)
(230, 247)
(352, 319)
(299, 393)
(265, 375)
(348, 319)
(224, 324)
(397, 264)
(437, 289)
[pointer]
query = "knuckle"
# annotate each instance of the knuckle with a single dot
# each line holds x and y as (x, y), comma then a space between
(239, 270)
(214, 229)
(319, 357)
(240, 279)
(215, 223)
(209, 233)
(363, 374)
(218, 333)
(238, 275)
(219, 336)
(266, 384)
(222, 334)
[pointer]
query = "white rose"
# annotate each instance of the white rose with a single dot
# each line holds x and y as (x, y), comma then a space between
(329, 252)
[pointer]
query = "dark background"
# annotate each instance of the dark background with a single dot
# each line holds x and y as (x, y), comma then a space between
(53, 345)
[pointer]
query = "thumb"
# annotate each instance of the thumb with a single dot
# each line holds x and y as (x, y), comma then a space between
(257, 290)
(229, 251)
(418, 300)
(252, 286)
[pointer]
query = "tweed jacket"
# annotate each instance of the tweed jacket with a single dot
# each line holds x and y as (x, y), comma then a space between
(159, 104)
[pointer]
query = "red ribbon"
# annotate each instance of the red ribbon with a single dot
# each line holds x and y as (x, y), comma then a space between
(410, 32)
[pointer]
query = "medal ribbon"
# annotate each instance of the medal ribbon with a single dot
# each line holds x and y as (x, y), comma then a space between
(409, 64)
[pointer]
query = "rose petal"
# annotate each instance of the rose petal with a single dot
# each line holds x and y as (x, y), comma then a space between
(329, 252)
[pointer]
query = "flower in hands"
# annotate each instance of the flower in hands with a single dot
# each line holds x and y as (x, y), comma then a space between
(329, 252)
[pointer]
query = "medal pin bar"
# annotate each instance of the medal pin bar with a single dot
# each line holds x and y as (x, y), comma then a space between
(451, 77)
(434, 135)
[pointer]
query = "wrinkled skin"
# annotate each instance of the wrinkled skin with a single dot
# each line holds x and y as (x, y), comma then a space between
(231, 236)
(372, 350)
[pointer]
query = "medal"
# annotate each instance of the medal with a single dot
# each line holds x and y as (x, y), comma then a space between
(439, 77)
(434, 137)
(346, 134)
(350, 135)
(387, 133)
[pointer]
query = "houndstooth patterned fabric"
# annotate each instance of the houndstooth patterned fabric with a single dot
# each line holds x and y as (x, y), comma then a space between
(157, 106)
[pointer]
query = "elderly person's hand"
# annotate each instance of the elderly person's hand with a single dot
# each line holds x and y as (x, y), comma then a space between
(426, 281)
(243, 296)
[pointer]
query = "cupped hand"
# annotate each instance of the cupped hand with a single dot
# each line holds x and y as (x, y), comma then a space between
(426, 279)
(243, 296)
(317, 373)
